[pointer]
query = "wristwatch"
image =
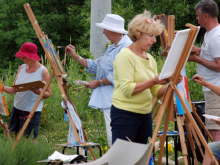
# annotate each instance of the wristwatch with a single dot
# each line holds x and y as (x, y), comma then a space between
(101, 83)
(79, 59)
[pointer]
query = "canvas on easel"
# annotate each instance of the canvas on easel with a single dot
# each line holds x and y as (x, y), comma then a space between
(4, 111)
(58, 72)
(190, 123)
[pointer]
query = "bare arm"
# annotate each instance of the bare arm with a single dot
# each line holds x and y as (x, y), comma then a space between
(199, 79)
(141, 86)
(45, 77)
(212, 65)
(217, 121)
(71, 50)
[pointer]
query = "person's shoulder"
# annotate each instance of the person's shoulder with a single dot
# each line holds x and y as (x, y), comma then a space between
(125, 53)
(126, 41)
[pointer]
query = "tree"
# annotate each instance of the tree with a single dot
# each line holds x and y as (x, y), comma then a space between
(60, 20)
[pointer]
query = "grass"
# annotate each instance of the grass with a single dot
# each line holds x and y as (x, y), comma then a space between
(53, 129)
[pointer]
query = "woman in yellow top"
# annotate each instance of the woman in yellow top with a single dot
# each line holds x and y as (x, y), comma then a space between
(136, 82)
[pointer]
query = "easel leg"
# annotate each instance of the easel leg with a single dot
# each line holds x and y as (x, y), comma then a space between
(202, 124)
(5, 128)
(197, 140)
(33, 110)
(162, 140)
(84, 133)
(182, 139)
(160, 118)
(196, 127)
(187, 125)
(62, 87)
(156, 110)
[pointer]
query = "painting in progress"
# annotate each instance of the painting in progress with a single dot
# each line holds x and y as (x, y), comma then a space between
(184, 92)
(53, 56)
(3, 104)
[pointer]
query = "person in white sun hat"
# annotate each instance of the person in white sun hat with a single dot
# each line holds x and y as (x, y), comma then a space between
(103, 86)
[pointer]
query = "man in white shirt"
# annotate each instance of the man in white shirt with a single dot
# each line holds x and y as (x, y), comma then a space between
(209, 59)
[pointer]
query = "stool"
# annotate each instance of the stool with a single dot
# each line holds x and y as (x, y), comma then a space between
(174, 135)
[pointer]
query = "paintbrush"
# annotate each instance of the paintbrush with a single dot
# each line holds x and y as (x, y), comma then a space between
(65, 47)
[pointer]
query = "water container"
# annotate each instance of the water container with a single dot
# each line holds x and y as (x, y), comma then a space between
(151, 162)
(66, 117)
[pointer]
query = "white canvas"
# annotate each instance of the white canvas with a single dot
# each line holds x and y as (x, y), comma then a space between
(2, 108)
(175, 53)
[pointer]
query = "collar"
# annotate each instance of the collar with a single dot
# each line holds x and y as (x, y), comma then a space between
(123, 39)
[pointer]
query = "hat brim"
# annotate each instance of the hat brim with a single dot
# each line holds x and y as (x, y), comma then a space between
(28, 55)
(101, 25)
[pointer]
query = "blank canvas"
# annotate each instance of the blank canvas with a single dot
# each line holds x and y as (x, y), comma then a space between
(175, 53)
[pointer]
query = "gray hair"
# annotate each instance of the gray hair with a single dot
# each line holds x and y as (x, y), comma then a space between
(207, 7)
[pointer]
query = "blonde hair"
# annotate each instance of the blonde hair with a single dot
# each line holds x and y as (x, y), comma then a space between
(139, 25)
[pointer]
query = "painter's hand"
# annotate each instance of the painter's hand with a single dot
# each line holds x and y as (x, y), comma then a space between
(217, 121)
(180, 78)
(161, 82)
(193, 57)
(199, 79)
(36, 90)
(93, 84)
(70, 49)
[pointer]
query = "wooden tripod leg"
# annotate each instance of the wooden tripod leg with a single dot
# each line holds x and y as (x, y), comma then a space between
(188, 129)
(202, 124)
(160, 117)
(196, 127)
(33, 110)
(162, 140)
(155, 111)
(84, 132)
(197, 140)
(73, 126)
(182, 139)
(154, 101)
(5, 128)
(63, 93)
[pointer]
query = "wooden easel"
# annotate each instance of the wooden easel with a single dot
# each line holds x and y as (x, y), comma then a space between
(166, 38)
(59, 73)
(2, 123)
(166, 41)
(190, 124)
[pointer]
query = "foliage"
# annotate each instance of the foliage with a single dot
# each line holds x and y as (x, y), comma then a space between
(58, 19)
(183, 10)
(26, 151)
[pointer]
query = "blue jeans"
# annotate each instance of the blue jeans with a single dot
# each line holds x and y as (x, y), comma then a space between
(215, 148)
(137, 127)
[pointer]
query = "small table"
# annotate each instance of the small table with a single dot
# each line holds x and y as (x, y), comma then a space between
(82, 146)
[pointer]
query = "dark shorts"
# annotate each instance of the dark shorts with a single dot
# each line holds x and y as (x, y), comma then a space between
(18, 118)
(137, 127)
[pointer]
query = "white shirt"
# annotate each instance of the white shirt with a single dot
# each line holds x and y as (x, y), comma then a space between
(210, 50)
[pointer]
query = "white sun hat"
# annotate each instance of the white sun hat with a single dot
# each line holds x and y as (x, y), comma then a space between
(113, 23)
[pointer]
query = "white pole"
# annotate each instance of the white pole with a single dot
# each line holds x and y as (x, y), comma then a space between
(99, 9)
